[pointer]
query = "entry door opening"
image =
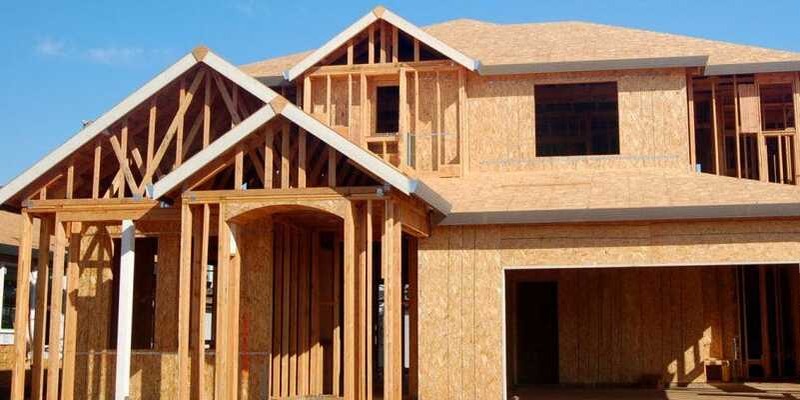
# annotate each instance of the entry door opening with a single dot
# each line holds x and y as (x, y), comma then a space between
(532, 335)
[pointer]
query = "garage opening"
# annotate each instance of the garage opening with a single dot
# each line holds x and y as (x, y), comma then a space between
(651, 327)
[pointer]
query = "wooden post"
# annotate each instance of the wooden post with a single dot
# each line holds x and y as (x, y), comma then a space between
(199, 272)
(184, 302)
(403, 123)
(332, 167)
(269, 157)
(371, 45)
(285, 164)
(21, 313)
(238, 175)
(393, 300)
(715, 125)
(413, 318)
(71, 313)
(692, 143)
(301, 158)
(207, 112)
(42, 284)
(96, 170)
(395, 41)
(125, 310)
(368, 294)
(151, 132)
(463, 133)
(337, 326)
(416, 50)
(221, 362)
(179, 134)
(235, 265)
(56, 292)
(316, 347)
(736, 126)
(363, 110)
(350, 347)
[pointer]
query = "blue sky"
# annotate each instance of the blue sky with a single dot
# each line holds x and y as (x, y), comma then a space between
(64, 62)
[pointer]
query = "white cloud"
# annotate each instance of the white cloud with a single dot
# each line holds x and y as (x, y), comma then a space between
(114, 55)
(50, 47)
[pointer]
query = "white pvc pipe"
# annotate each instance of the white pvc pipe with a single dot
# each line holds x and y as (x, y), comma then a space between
(125, 311)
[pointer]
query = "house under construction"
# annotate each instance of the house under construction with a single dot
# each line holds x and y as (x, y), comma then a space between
(467, 210)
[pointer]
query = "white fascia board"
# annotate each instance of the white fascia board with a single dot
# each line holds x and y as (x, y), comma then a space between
(333, 44)
(349, 149)
(238, 77)
(95, 128)
(214, 150)
(435, 200)
(426, 38)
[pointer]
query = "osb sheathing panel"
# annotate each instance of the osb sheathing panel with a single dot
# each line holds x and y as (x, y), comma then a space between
(6, 357)
(611, 322)
(652, 122)
(166, 327)
(94, 302)
(255, 319)
(461, 336)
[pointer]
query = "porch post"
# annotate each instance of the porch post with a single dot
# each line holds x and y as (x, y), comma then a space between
(125, 311)
(393, 300)
(21, 315)
(184, 302)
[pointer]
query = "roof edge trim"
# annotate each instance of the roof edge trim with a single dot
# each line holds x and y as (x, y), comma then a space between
(569, 216)
(752, 68)
(595, 65)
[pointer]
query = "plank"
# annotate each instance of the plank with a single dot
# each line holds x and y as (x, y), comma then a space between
(350, 345)
(337, 320)
(56, 293)
(269, 157)
(285, 156)
(42, 285)
(316, 348)
(98, 156)
(21, 313)
(369, 296)
(71, 313)
(200, 274)
(286, 275)
(184, 302)
(692, 140)
(180, 130)
(222, 355)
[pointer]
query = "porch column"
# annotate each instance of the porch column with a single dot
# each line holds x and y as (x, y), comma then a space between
(393, 300)
(21, 315)
(125, 310)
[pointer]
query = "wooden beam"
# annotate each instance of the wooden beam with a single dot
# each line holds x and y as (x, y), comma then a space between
(124, 311)
(332, 158)
(736, 126)
(21, 313)
(56, 293)
(393, 295)
(350, 345)
(71, 313)
(222, 355)
(207, 113)
(199, 271)
(184, 303)
(269, 157)
(395, 41)
(692, 140)
(285, 164)
(371, 45)
(368, 368)
(98, 156)
(42, 285)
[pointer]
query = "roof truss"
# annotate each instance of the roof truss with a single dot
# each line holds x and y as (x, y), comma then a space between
(379, 14)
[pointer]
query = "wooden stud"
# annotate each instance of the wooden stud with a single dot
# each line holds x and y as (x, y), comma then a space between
(715, 125)
(337, 320)
(439, 136)
(304, 316)
(269, 157)
(277, 307)
(293, 295)
(21, 313)
(207, 113)
(403, 115)
(416, 50)
(383, 54)
(181, 122)
(332, 156)
(413, 319)
(285, 149)
(184, 302)
(200, 274)
(463, 133)
(736, 126)
(71, 313)
(350, 106)
(122, 154)
(285, 286)
(328, 94)
(56, 294)
(369, 296)
(234, 293)
(371, 45)
(223, 317)
(350, 345)
(350, 52)
(96, 168)
(239, 169)
(151, 131)
(364, 107)
(692, 140)
(42, 285)
(796, 137)
(302, 148)
(395, 41)
(393, 292)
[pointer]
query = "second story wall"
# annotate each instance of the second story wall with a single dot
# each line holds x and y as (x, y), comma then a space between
(652, 108)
